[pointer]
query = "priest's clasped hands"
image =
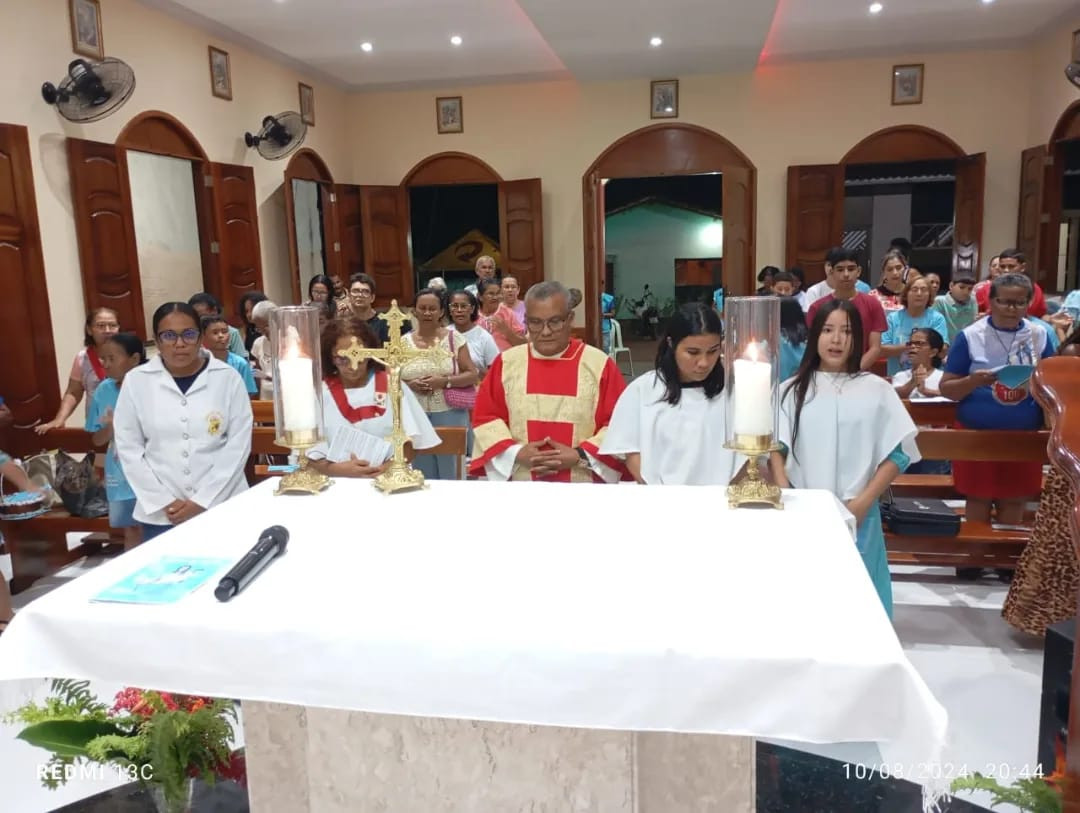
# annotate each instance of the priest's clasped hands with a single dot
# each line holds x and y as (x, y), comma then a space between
(546, 457)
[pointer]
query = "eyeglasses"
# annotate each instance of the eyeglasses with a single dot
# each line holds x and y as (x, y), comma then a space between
(1012, 304)
(460, 306)
(554, 324)
(106, 326)
(362, 292)
(189, 336)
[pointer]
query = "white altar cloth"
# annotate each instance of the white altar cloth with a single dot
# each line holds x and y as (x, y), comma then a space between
(607, 607)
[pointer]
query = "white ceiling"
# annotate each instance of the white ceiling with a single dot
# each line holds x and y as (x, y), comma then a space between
(516, 40)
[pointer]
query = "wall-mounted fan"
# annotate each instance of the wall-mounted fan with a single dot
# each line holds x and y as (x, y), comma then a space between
(1072, 71)
(91, 91)
(279, 136)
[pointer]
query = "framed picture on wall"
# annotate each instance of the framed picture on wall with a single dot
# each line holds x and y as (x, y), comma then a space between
(86, 39)
(449, 114)
(307, 104)
(664, 99)
(1076, 46)
(907, 84)
(220, 73)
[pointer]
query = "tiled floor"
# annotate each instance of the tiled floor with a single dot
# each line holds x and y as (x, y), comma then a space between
(986, 675)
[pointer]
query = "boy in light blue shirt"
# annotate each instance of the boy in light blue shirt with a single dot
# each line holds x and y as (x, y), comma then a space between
(216, 340)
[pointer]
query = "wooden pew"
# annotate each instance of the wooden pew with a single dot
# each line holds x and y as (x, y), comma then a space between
(1056, 386)
(978, 544)
(38, 546)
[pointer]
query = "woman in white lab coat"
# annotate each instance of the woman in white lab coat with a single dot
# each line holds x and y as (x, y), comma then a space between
(182, 426)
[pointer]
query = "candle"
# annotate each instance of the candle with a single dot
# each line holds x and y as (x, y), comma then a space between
(297, 386)
(752, 394)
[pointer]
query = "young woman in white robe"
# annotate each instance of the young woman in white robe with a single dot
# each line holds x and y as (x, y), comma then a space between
(357, 409)
(846, 431)
(670, 424)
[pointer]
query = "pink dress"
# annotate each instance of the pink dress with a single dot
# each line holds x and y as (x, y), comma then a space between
(507, 316)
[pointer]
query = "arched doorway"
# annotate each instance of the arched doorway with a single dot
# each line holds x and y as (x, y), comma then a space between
(459, 207)
(1048, 222)
(900, 159)
(672, 149)
(311, 219)
(155, 196)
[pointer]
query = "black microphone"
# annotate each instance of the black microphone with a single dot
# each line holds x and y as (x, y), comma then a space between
(271, 544)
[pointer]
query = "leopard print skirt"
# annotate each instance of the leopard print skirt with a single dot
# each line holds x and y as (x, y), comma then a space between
(1044, 588)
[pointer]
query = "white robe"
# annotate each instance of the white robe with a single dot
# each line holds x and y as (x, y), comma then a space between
(416, 424)
(679, 445)
(844, 436)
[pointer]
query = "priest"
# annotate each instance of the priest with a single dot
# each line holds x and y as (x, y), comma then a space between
(543, 407)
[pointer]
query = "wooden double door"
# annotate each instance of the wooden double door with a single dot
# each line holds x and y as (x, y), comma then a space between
(815, 215)
(227, 220)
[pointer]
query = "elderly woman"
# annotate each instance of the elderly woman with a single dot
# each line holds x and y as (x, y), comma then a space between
(464, 313)
(446, 389)
(485, 269)
(510, 290)
(87, 370)
(243, 309)
(261, 357)
(980, 351)
(357, 409)
(915, 312)
(497, 319)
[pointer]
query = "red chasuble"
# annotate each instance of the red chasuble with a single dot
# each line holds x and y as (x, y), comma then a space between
(525, 398)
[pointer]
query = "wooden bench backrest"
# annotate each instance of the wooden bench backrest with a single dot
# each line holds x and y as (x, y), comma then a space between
(982, 445)
(26, 443)
(932, 413)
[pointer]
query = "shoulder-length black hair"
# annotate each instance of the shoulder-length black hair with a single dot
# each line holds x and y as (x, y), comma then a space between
(483, 284)
(792, 321)
(811, 362)
(936, 342)
(131, 345)
(326, 282)
(88, 338)
(694, 319)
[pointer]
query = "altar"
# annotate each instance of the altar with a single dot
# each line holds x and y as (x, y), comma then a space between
(505, 646)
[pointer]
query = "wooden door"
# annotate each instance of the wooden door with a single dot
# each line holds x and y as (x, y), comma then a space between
(1043, 268)
(384, 212)
(350, 230)
(738, 214)
(521, 231)
(236, 232)
(105, 231)
(1029, 220)
(815, 217)
(28, 376)
(968, 213)
(328, 199)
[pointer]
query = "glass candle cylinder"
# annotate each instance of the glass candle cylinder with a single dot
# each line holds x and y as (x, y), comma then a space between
(751, 370)
(294, 344)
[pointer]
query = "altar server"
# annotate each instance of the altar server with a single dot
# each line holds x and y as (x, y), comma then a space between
(846, 431)
(357, 406)
(670, 424)
(182, 426)
(542, 410)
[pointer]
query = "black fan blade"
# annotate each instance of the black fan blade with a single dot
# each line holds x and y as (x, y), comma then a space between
(251, 140)
(49, 93)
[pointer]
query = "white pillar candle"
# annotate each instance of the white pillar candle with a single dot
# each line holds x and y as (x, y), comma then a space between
(295, 378)
(752, 394)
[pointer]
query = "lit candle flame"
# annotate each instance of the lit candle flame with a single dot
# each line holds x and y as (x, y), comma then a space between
(752, 353)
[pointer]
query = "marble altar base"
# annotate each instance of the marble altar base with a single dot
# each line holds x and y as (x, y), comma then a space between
(312, 760)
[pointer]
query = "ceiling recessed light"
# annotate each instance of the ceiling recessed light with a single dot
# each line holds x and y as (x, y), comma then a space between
(987, 2)
(366, 47)
(656, 42)
(455, 40)
(875, 8)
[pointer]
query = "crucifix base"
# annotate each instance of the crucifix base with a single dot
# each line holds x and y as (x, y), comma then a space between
(399, 477)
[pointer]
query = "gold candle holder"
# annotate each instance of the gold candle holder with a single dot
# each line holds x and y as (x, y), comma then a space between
(751, 389)
(294, 345)
(752, 490)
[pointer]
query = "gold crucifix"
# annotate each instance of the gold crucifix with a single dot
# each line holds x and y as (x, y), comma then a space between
(394, 355)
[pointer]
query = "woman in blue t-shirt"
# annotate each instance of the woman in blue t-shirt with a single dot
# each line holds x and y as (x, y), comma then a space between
(120, 353)
(988, 373)
(915, 313)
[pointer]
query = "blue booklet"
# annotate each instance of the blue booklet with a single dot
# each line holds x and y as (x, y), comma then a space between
(165, 581)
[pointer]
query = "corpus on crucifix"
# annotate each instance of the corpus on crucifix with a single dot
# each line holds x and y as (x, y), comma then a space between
(394, 355)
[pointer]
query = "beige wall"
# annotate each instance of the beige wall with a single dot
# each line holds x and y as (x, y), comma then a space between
(170, 63)
(791, 114)
(1050, 91)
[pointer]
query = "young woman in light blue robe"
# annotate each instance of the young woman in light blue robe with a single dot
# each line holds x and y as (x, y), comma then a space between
(846, 431)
